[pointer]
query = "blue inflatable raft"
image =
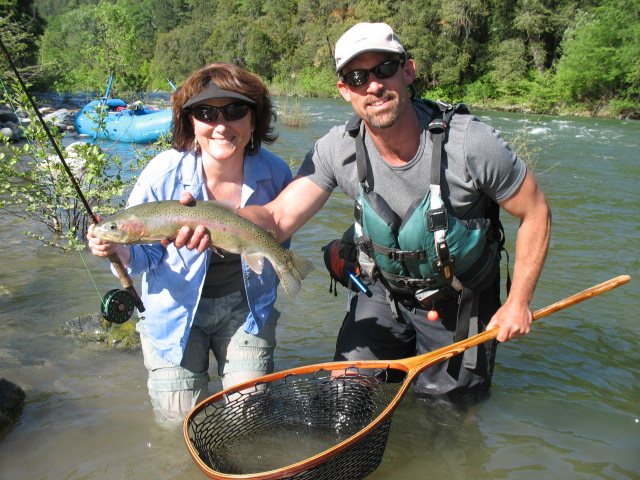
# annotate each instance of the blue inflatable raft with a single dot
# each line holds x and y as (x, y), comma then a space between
(137, 124)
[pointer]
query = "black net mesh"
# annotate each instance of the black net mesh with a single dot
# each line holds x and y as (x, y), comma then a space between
(283, 422)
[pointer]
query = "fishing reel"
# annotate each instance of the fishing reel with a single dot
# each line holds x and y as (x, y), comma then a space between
(118, 306)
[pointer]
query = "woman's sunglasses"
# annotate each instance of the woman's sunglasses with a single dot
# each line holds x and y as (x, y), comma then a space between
(231, 112)
(357, 78)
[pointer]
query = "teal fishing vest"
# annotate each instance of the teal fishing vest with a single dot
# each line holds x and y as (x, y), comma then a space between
(429, 248)
(429, 255)
(407, 257)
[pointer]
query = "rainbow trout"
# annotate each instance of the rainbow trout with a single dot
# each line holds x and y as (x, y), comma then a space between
(155, 221)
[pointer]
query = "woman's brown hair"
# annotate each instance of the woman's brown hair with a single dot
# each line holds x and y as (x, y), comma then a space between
(228, 77)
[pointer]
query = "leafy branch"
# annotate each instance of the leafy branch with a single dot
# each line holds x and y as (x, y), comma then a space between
(34, 184)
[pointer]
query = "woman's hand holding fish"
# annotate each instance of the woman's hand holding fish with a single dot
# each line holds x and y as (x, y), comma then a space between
(103, 249)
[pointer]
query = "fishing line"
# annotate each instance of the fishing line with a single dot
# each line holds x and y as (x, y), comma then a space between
(117, 305)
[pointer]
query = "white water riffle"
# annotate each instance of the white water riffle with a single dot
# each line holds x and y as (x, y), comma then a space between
(564, 403)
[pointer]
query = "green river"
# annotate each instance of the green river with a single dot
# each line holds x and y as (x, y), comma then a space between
(565, 402)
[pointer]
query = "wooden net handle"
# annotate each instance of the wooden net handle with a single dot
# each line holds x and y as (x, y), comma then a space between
(584, 295)
(423, 361)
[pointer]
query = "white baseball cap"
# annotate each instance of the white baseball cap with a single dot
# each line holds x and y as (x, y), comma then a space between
(366, 37)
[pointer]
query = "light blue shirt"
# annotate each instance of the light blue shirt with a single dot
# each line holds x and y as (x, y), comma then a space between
(172, 279)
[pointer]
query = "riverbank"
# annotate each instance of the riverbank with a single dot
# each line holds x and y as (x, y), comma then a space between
(600, 111)
(577, 110)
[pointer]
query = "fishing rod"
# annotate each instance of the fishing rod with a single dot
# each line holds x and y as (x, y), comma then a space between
(118, 304)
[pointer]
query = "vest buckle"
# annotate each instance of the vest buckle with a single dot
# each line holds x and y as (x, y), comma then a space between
(437, 219)
(445, 261)
(404, 255)
(419, 283)
(438, 126)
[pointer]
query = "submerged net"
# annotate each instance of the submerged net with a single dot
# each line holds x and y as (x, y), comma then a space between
(297, 419)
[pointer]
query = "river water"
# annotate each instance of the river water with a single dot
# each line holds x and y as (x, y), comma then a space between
(565, 403)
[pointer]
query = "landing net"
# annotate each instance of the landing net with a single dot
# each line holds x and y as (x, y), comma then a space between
(322, 422)
(289, 428)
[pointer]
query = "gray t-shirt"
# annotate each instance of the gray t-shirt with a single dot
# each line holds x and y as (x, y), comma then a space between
(477, 166)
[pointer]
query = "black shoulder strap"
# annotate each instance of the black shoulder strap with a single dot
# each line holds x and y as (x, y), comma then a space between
(353, 125)
(361, 159)
(438, 127)
(354, 129)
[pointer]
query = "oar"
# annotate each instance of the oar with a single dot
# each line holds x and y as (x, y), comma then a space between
(106, 94)
(103, 102)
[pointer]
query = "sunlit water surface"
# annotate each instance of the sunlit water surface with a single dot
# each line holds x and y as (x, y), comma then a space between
(565, 400)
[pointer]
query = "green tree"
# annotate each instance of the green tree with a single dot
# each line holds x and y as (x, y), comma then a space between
(322, 23)
(226, 42)
(53, 8)
(180, 52)
(91, 43)
(114, 49)
(61, 48)
(261, 53)
(533, 18)
(165, 14)
(601, 55)
(252, 9)
(308, 67)
(381, 11)
(20, 27)
(509, 65)
(279, 21)
(443, 37)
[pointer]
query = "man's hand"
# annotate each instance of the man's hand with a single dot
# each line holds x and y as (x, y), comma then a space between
(514, 321)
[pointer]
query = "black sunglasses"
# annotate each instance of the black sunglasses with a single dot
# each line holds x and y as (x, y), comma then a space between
(231, 112)
(357, 78)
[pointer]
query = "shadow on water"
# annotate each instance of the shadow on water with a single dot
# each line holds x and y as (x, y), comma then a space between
(565, 399)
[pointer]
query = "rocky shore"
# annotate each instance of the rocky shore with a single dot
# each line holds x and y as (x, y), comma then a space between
(61, 116)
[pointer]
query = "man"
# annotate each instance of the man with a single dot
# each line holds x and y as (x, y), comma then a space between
(477, 170)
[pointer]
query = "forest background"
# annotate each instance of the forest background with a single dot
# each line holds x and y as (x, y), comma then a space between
(542, 56)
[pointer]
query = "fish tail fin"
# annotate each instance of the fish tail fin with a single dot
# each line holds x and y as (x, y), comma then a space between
(293, 273)
(301, 266)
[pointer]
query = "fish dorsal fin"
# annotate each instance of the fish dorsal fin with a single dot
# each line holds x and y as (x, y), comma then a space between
(254, 260)
(272, 233)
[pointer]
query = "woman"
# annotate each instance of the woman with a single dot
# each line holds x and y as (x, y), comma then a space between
(201, 301)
